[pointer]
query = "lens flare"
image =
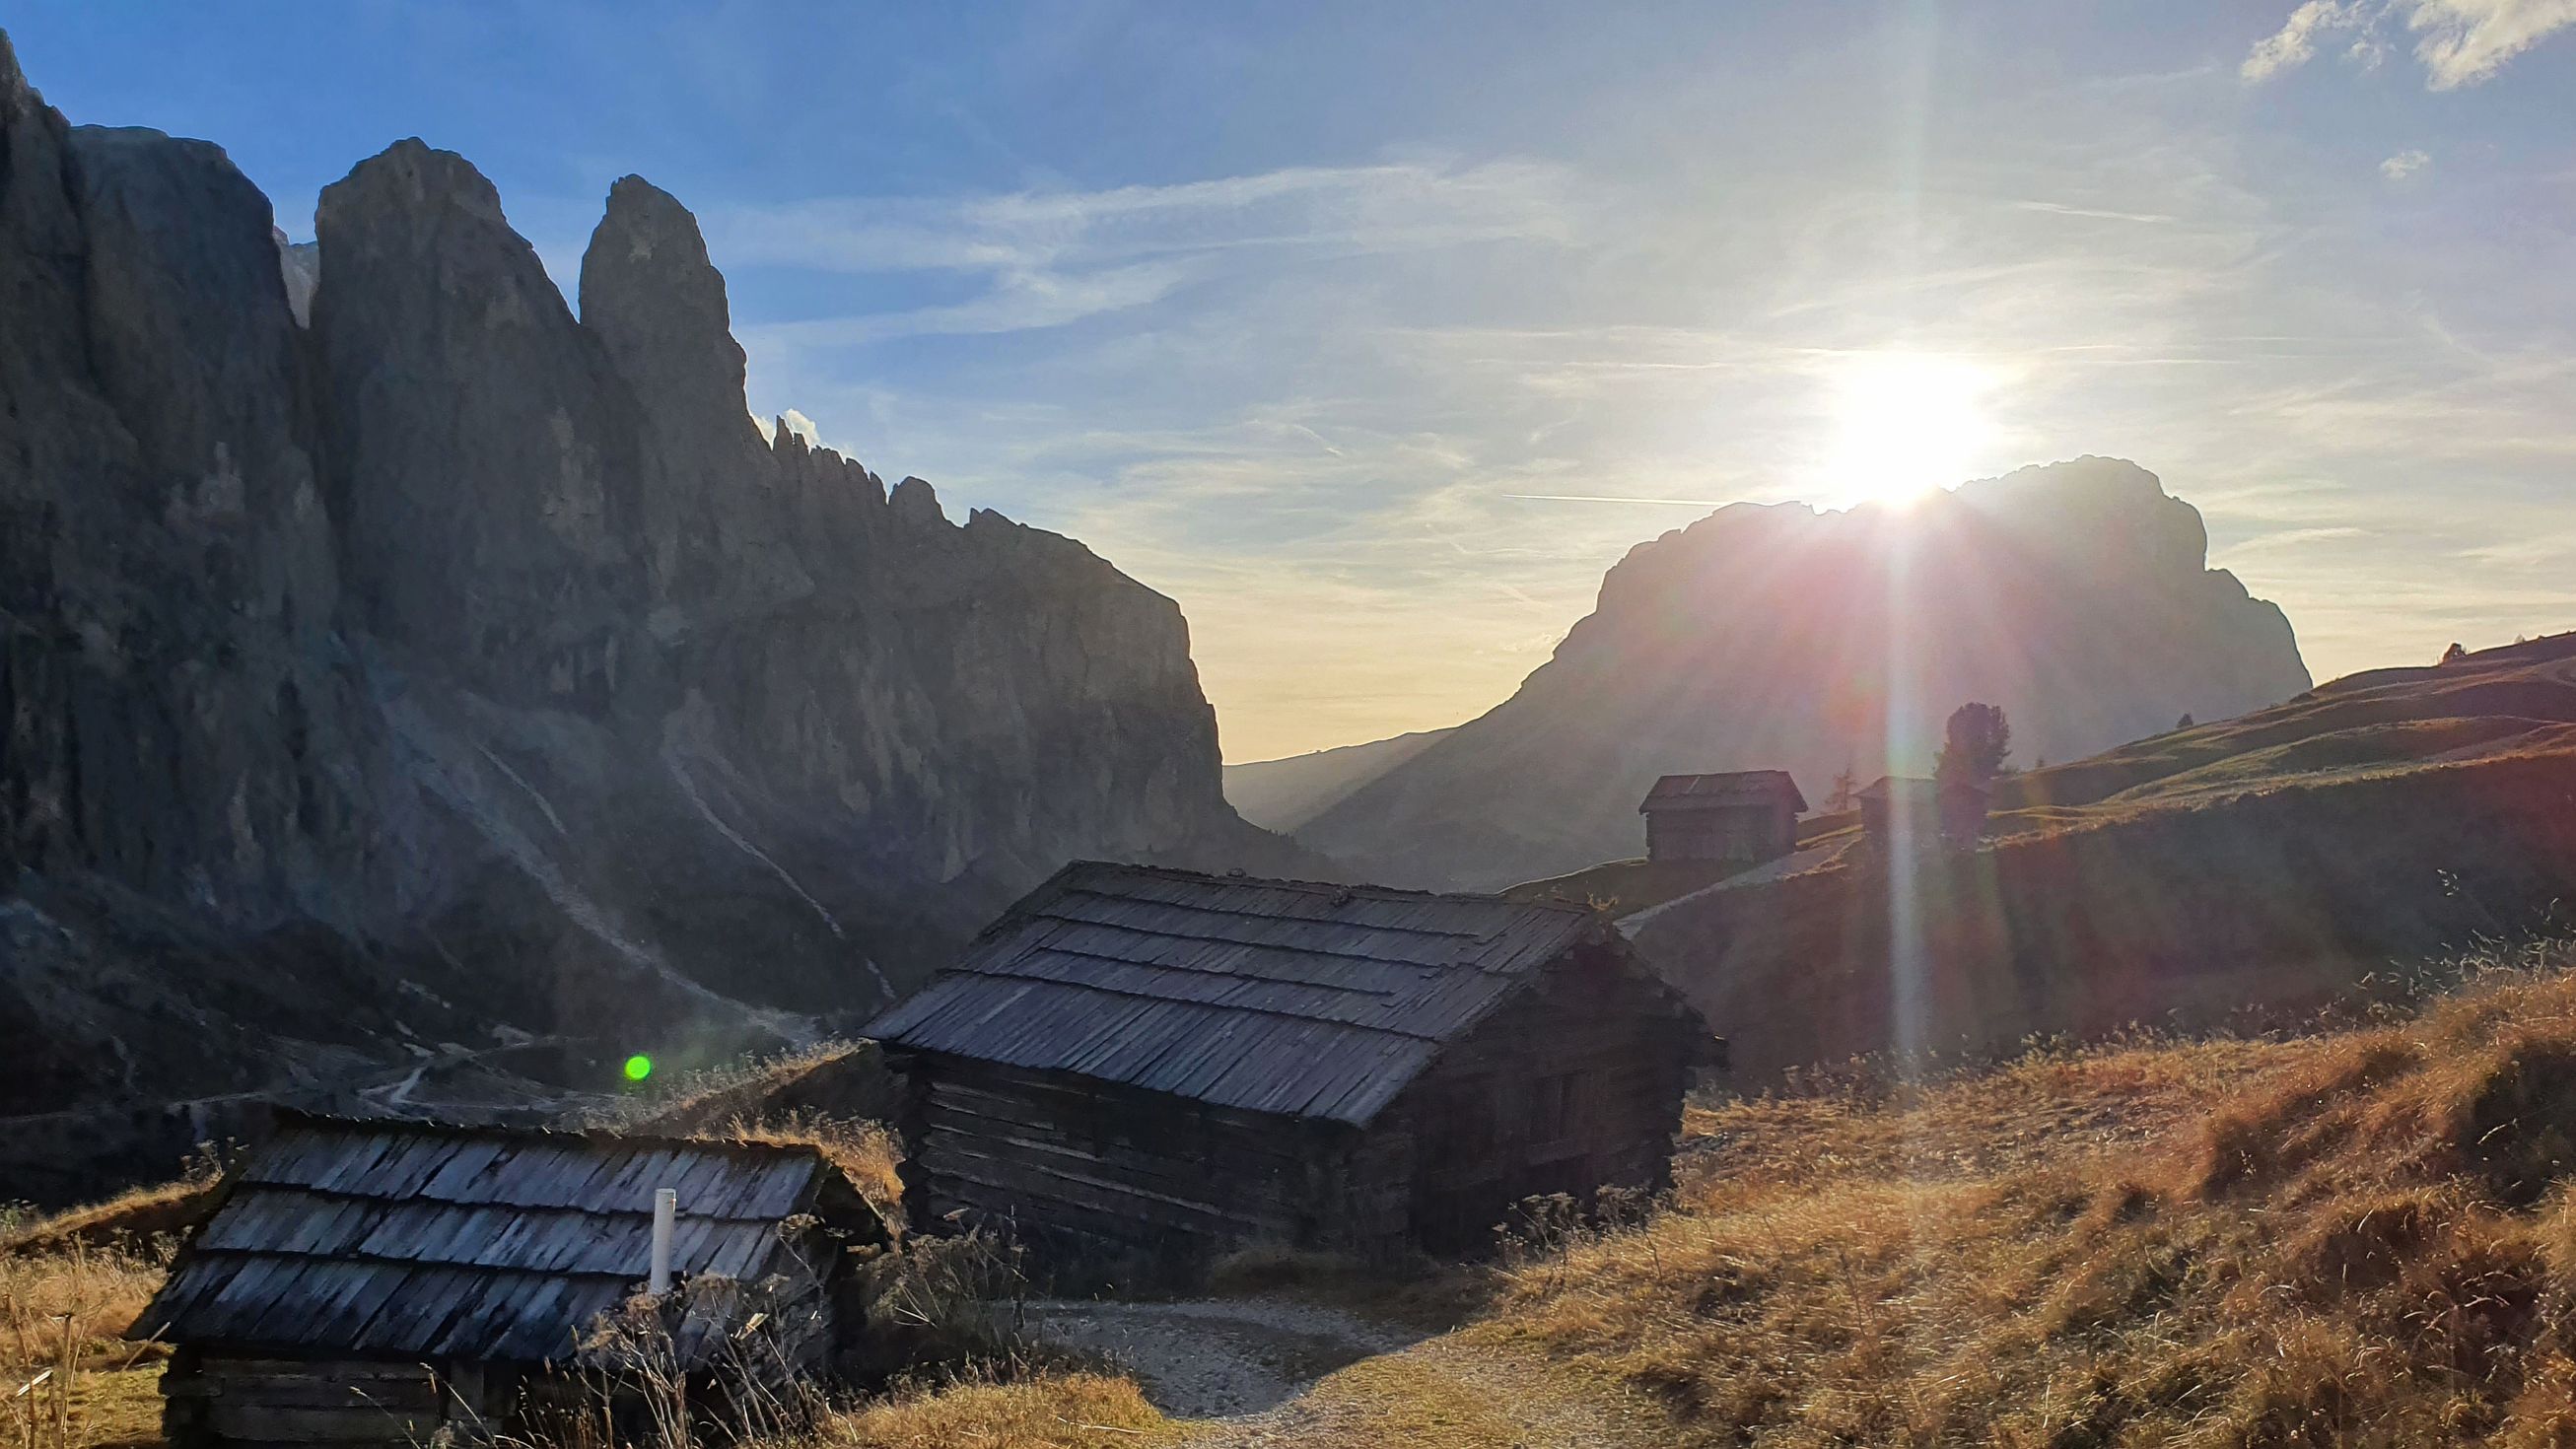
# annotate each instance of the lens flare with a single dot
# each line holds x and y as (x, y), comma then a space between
(638, 1067)
(1904, 424)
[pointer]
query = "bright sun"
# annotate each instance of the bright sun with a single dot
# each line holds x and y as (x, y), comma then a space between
(1904, 424)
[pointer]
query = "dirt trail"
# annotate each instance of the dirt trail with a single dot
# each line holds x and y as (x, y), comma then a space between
(1275, 1373)
(1218, 1357)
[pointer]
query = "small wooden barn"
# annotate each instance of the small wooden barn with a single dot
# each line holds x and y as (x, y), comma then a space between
(365, 1283)
(1157, 1060)
(1922, 812)
(1749, 816)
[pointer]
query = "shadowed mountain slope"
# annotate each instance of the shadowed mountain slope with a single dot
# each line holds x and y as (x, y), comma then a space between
(451, 672)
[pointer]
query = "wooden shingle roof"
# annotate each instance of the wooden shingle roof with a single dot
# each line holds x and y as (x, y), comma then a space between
(414, 1240)
(1286, 997)
(1740, 787)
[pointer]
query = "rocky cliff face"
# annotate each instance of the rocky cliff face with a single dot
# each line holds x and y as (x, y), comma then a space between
(452, 672)
(2077, 596)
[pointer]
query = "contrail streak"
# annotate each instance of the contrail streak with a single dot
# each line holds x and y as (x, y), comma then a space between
(1600, 498)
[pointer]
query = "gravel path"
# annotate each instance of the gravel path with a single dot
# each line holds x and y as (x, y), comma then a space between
(1274, 1373)
(1455, 1392)
(1216, 1358)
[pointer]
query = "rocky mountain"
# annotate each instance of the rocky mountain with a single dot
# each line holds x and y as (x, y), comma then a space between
(2077, 596)
(1285, 793)
(398, 671)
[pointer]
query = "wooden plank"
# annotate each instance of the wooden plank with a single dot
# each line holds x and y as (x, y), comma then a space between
(1041, 1103)
(278, 1425)
(1018, 1179)
(387, 1395)
(1148, 1146)
(1180, 1168)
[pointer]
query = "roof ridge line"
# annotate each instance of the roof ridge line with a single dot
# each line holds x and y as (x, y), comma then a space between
(1173, 872)
(342, 1194)
(601, 1136)
(435, 1264)
(1312, 920)
(1202, 1005)
(1188, 970)
(1045, 915)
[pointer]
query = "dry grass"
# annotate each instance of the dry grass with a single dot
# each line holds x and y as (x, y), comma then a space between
(1052, 1411)
(777, 1100)
(2363, 1238)
(67, 1379)
(137, 1215)
(867, 1153)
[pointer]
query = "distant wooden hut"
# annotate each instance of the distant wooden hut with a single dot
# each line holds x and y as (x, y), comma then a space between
(1918, 812)
(1748, 816)
(1160, 1060)
(365, 1283)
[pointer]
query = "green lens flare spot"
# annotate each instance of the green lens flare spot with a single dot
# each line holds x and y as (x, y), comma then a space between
(638, 1067)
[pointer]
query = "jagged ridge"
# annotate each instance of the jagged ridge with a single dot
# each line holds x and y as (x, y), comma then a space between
(455, 666)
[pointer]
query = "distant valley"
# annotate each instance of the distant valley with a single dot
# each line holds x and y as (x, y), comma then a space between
(1284, 794)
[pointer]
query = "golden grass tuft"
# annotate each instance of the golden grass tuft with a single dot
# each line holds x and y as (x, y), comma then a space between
(2364, 1237)
(867, 1153)
(1052, 1411)
(136, 1216)
(780, 1099)
(67, 1378)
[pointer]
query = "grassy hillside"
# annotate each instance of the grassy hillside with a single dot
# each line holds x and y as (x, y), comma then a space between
(2520, 699)
(2262, 866)
(2363, 1235)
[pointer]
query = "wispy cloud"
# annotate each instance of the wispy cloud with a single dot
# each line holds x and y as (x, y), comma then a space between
(2295, 43)
(2459, 42)
(1054, 257)
(2465, 41)
(2056, 208)
(2404, 164)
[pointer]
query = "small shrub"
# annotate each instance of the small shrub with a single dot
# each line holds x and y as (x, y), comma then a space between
(943, 1304)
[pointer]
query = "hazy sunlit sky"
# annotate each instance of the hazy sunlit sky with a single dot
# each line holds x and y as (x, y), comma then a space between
(1325, 319)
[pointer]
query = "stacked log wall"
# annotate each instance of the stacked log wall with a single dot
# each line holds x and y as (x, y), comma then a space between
(1052, 1155)
(214, 1400)
(1572, 1088)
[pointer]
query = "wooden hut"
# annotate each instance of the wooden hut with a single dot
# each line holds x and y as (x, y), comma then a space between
(366, 1283)
(1157, 1060)
(1749, 816)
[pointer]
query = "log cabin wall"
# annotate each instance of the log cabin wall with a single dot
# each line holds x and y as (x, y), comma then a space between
(1166, 1062)
(216, 1400)
(1063, 1159)
(1572, 1087)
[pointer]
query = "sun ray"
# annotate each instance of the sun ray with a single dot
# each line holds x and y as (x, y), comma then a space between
(1903, 424)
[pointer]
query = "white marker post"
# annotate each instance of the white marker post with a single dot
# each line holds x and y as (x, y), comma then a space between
(666, 1206)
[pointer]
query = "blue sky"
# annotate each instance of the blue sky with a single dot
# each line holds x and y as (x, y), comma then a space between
(1319, 317)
